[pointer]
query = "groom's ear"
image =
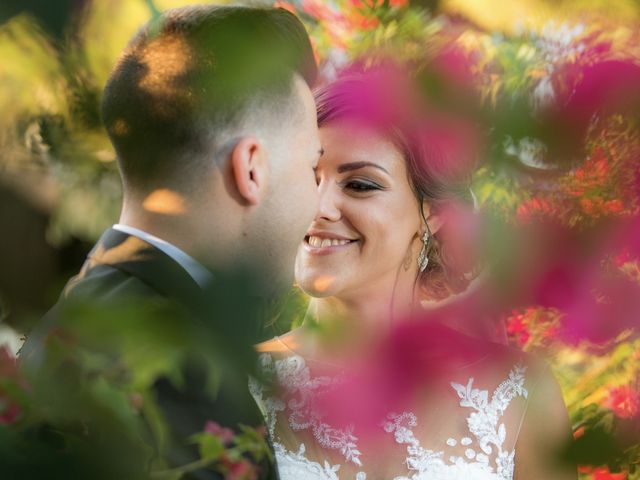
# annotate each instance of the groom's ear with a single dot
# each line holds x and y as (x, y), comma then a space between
(250, 168)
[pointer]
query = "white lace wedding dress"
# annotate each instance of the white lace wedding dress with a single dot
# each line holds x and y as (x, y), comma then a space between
(466, 433)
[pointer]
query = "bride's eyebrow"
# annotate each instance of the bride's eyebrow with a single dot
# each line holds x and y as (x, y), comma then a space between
(347, 167)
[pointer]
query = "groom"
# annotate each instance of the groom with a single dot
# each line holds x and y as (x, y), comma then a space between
(211, 115)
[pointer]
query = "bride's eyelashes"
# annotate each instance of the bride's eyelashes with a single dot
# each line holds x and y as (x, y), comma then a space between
(361, 186)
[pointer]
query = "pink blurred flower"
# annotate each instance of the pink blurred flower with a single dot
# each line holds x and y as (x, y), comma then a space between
(286, 5)
(606, 303)
(601, 313)
(556, 267)
(455, 66)
(418, 352)
(588, 84)
(605, 474)
(602, 473)
(318, 9)
(607, 86)
(240, 469)
(224, 434)
(518, 330)
(622, 258)
(8, 363)
(624, 401)
(451, 144)
(9, 409)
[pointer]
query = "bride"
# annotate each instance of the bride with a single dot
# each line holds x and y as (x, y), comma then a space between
(371, 255)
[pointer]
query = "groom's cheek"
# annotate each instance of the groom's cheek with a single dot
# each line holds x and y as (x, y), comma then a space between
(308, 202)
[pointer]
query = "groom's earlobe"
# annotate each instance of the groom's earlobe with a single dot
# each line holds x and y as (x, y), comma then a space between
(250, 169)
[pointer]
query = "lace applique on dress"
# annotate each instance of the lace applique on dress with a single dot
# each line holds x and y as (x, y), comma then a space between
(297, 466)
(269, 406)
(293, 374)
(484, 424)
(488, 461)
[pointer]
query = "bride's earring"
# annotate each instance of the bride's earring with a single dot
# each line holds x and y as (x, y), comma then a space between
(423, 258)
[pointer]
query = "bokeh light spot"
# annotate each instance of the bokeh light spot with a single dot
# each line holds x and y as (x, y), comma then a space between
(165, 202)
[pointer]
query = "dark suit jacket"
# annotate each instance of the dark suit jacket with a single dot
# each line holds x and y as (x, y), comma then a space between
(123, 267)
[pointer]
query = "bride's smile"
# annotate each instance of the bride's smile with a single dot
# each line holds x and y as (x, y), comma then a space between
(319, 243)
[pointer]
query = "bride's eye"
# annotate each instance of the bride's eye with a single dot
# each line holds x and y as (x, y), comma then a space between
(361, 186)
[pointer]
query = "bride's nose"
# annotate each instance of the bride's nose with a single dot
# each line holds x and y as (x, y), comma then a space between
(328, 202)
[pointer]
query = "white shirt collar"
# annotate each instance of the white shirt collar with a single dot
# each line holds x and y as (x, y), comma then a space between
(200, 274)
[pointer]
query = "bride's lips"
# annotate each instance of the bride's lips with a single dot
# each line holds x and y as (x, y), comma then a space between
(322, 243)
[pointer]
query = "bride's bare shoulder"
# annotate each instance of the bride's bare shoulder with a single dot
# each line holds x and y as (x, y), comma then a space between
(289, 342)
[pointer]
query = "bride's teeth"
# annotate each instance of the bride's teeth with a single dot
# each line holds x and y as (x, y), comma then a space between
(326, 242)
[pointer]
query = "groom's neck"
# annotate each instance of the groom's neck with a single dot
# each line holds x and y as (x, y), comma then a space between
(181, 223)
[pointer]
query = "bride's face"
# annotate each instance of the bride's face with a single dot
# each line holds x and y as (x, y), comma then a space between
(368, 218)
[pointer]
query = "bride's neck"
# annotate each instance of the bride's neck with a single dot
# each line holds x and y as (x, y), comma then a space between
(375, 311)
(341, 328)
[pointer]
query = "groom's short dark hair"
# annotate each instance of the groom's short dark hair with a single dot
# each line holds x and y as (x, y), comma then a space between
(191, 77)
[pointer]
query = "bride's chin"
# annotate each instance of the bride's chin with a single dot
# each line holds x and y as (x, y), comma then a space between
(317, 294)
(318, 287)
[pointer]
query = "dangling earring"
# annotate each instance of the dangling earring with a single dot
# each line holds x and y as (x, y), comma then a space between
(423, 257)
